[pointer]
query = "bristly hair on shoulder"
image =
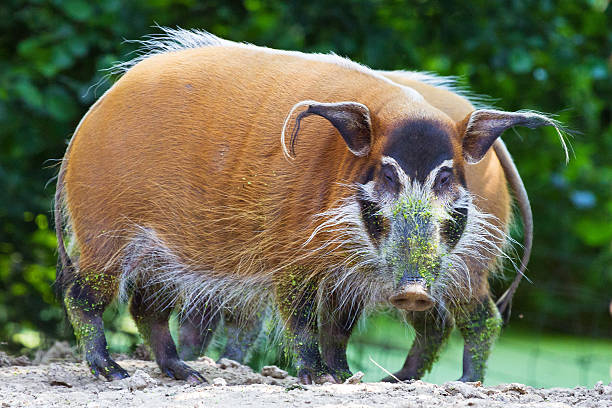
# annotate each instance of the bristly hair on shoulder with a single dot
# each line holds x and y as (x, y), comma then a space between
(450, 83)
(169, 40)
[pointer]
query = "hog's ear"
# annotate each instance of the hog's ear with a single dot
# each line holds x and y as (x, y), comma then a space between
(483, 127)
(351, 119)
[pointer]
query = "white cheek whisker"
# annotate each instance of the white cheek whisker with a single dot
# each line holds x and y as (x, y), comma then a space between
(482, 245)
(356, 278)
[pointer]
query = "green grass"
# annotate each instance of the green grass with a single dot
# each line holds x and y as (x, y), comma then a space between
(525, 356)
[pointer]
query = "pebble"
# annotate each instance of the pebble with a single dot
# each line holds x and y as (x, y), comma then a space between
(600, 388)
(520, 388)
(274, 372)
(6, 360)
(59, 351)
(466, 390)
(138, 381)
(219, 382)
(207, 360)
(227, 363)
(355, 378)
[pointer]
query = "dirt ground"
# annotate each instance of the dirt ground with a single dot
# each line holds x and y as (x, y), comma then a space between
(56, 379)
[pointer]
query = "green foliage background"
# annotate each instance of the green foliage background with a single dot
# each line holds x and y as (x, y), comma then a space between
(552, 56)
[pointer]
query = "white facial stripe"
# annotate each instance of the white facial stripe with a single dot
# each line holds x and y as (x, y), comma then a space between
(432, 175)
(403, 177)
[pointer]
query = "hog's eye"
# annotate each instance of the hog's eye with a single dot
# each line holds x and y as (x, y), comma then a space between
(444, 178)
(389, 174)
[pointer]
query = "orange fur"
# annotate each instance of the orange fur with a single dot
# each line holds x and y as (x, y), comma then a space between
(212, 180)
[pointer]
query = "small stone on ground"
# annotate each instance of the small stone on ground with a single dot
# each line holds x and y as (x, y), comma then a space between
(355, 378)
(274, 372)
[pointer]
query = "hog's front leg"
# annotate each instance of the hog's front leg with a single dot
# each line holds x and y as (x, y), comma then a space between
(480, 324)
(335, 327)
(431, 332)
(297, 304)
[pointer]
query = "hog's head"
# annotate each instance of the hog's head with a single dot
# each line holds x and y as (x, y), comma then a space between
(412, 204)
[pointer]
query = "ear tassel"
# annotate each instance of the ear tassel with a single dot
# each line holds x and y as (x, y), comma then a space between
(486, 125)
(548, 121)
(351, 120)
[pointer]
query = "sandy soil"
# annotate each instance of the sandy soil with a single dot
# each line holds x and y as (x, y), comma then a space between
(68, 383)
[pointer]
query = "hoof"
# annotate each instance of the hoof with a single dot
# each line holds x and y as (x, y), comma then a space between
(108, 369)
(181, 371)
(399, 376)
(470, 378)
(341, 375)
(306, 376)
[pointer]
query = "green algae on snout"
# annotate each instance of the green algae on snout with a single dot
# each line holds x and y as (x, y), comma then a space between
(409, 207)
(418, 251)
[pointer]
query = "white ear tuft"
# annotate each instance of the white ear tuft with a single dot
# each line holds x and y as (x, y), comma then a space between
(484, 126)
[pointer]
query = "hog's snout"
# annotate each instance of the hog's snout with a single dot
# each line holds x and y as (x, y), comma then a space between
(413, 298)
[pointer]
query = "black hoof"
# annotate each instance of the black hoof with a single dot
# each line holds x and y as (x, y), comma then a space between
(307, 376)
(470, 378)
(108, 369)
(399, 376)
(181, 371)
(341, 375)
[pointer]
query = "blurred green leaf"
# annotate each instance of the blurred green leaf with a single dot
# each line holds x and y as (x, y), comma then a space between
(29, 93)
(593, 232)
(520, 61)
(59, 103)
(79, 10)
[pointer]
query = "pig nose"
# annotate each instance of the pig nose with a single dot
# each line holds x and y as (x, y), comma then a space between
(413, 298)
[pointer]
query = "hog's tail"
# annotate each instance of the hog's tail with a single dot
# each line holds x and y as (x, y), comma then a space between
(504, 303)
(65, 268)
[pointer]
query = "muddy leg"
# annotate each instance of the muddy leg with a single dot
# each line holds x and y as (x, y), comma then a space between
(85, 302)
(479, 325)
(153, 326)
(197, 329)
(336, 326)
(432, 331)
(240, 337)
(297, 305)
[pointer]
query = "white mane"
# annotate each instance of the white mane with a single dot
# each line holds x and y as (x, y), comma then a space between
(178, 39)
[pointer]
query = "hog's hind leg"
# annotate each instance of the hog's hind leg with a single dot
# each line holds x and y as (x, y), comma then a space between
(432, 330)
(241, 337)
(480, 324)
(197, 329)
(152, 322)
(298, 307)
(85, 300)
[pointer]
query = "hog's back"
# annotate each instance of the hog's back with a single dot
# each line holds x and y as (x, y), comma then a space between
(187, 145)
